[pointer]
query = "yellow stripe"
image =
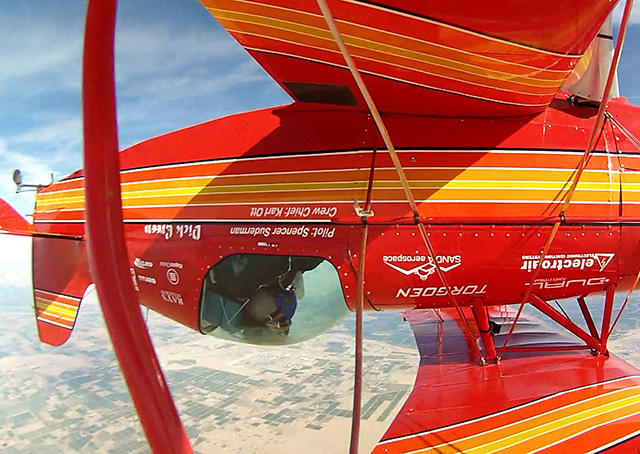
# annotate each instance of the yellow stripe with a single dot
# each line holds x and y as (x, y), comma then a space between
(411, 68)
(366, 44)
(443, 174)
(65, 308)
(264, 188)
(461, 30)
(60, 304)
(440, 185)
(383, 48)
(629, 407)
(517, 46)
(503, 441)
(56, 311)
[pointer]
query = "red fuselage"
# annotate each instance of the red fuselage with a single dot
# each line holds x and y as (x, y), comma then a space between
(284, 181)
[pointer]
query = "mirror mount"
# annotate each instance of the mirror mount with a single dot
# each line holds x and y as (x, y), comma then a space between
(20, 186)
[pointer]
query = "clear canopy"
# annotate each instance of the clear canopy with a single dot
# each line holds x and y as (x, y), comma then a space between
(271, 299)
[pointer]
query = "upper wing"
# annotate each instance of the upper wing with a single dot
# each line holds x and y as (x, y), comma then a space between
(459, 57)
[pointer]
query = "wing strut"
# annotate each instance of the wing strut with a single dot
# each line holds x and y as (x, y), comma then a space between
(591, 144)
(105, 234)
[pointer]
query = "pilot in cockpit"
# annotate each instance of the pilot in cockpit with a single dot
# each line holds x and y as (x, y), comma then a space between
(254, 294)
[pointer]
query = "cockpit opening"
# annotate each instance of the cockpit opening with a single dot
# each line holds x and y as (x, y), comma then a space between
(271, 299)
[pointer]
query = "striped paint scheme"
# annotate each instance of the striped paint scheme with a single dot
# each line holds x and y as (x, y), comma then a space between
(413, 50)
(458, 183)
(56, 309)
(550, 424)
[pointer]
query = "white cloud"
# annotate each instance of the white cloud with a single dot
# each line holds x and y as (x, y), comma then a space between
(35, 170)
(155, 49)
(15, 266)
(43, 52)
(58, 142)
(169, 79)
(619, 9)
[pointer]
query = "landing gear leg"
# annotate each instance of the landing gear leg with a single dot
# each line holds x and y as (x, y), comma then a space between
(482, 321)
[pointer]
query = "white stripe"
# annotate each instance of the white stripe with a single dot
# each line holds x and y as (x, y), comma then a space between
(54, 323)
(398, 79)
(412, 38)
(552, 90)
(462, 30)
(56, 294)
(57, 303)
(515, 423)
(589, 428)
(399, 201)
(362, 170)
(367, 151)
(203, 221)
(618, 441)
(508, 410)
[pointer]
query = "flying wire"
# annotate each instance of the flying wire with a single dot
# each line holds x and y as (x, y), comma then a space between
(598, 127)
(394, 158)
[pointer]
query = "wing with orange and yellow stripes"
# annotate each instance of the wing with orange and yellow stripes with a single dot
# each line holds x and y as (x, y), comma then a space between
(528, 402)
(457, 58)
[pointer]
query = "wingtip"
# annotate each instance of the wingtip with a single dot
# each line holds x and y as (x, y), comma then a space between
(11, 222)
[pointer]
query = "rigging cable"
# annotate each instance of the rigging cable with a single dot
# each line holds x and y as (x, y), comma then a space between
(595, 135)
(394, 158)
(328, 16)
(636, 143)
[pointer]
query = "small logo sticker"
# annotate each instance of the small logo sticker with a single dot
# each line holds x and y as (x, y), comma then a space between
(427, 266)
(173, 276)
(142, 264)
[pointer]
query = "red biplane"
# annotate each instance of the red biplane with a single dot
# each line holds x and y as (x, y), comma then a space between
(444, 158)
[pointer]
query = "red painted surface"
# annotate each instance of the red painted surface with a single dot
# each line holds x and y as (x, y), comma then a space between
(60, 272)
(12, 222)
(259, 163)
(106, 241)
(283, 181)
(460, 58)
(455, 401)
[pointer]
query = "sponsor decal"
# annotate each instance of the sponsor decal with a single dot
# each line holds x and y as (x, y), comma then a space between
(133, 278)
(421, 292)
(172, 297)
(173, 277)
(563, 282)
(142, 264)
(425, 265)
(567, 262)
(147, 279)
(171, 265)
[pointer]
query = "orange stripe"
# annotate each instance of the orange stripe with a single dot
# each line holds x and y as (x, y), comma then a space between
(438, 33)
(57, 320)
(496, 428)
(442, 65)
(53, 297)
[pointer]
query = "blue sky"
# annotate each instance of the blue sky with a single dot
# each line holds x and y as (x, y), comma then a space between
(175, 67)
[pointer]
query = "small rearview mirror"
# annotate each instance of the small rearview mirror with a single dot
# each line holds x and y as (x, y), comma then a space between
(17, 177)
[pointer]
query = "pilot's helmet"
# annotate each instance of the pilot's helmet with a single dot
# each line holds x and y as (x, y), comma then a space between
(273, 310)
